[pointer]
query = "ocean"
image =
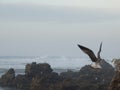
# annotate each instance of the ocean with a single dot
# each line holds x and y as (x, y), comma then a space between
(58, 63)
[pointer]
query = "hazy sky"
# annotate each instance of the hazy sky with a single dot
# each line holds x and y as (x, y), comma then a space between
(52, 27)
(71, 3)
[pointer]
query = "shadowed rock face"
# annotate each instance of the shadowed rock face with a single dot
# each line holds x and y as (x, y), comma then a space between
(41, 77)
(115, 83)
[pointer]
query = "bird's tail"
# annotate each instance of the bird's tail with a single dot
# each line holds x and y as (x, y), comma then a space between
(96, 65)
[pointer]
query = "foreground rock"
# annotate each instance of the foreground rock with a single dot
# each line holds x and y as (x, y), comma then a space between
(92, 79)
(115, 83)
(7, 78)
(42, 77)
(36, 76)
(100, 78)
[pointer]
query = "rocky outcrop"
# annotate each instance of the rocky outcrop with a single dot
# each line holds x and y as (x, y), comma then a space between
(96, 79)
(7, 78)
(36, 76)
(115, 83)
(34, 69)
(41, 77)
(22, 81)
(45, 82)
(92, 79)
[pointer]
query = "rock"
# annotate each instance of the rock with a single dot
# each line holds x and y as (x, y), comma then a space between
(70, 74)
(7, 78)
(45, 82)
(115, 82)
(33, 71)
(69, 84)
(96, 79)
(92, 79)
(37, 69)
(21, 81)
(41, 77)
(116, 63)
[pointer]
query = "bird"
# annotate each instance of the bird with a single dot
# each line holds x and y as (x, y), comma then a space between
(95, 60)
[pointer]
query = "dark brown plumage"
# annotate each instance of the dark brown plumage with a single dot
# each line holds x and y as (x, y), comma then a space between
(91, 54)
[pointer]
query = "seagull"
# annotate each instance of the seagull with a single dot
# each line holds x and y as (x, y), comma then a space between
(96, 60)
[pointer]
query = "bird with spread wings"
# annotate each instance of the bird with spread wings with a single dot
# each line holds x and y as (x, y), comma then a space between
(90, 53)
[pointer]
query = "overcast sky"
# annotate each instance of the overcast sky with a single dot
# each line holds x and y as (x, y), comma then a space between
(71, 3)
(54, 28)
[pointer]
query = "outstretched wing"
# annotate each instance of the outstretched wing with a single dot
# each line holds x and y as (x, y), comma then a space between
(98, 54)
(89, 52)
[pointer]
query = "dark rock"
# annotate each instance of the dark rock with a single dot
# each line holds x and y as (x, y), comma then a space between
(115, 83)
(41, 77)
(21, 81)
(37, 76)
(96, 79)
(89, 78)
(45, 82)
(41, 72)
(37, 69)
(69, 84)
(7, 78)
(70, 74)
